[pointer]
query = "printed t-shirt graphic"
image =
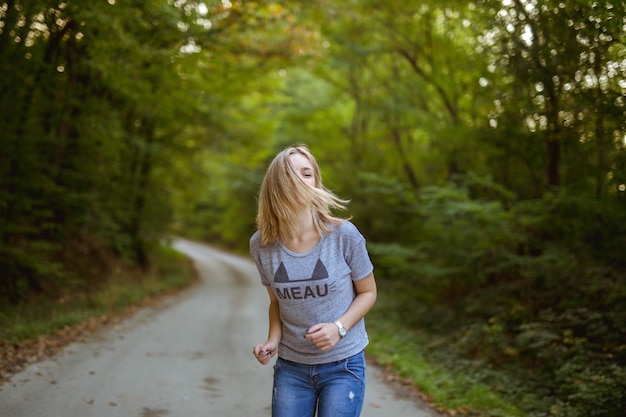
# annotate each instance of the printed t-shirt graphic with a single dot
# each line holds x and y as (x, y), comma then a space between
(319, 273)
(299, 290)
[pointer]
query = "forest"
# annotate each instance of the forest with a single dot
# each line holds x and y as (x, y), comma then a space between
(482, 146)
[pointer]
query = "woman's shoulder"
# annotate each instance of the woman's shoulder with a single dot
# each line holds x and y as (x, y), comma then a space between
(347, 229)
(257, 245)
(255, 240)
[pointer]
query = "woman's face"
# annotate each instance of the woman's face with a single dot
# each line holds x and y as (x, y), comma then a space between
(303, 167)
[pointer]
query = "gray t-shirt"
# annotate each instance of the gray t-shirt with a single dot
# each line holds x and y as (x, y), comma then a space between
(315, 287)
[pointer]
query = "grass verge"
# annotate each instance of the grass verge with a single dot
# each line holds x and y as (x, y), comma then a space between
(404, 351)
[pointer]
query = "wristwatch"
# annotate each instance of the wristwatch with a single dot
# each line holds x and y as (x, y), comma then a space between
(342, 330)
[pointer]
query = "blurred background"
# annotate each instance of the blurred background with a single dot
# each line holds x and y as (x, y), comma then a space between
(482, 145)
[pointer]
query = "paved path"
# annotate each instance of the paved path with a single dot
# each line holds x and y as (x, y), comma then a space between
(189, 356)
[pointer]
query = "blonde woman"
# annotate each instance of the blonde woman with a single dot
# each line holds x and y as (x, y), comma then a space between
(320, 282)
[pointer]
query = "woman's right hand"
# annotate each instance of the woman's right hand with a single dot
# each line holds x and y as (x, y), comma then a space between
(264, 352)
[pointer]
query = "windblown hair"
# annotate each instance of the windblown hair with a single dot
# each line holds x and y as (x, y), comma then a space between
(284, 195)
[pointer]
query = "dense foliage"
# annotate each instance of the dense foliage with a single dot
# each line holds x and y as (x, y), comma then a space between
(482, 144)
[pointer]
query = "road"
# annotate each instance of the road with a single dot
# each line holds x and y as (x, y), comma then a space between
(190, 355)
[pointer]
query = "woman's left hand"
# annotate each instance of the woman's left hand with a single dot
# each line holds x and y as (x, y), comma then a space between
(323, 335)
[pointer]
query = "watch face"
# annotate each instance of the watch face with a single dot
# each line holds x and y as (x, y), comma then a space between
(342, 331)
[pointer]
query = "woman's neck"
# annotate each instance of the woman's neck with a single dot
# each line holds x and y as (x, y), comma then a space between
(304, 236)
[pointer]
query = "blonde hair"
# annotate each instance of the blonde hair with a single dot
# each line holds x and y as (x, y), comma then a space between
(284, 195)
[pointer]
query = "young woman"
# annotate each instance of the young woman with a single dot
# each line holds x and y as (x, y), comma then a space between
(320, 282)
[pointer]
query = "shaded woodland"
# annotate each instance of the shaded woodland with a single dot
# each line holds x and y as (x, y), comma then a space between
(482, 145)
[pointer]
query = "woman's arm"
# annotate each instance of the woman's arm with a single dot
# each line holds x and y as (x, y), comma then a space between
(326, 335)
(366, 294)
(265, 351)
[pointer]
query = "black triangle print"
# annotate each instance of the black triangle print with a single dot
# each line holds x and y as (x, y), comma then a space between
(281, 274)
(320, 271)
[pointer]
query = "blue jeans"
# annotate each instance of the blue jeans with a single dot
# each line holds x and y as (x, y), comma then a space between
(335, 389)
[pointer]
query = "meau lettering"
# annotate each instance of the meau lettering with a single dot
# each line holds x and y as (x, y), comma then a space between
(298, 291)
(302, 293)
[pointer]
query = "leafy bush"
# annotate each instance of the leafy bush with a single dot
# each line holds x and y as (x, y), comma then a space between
(527, 296)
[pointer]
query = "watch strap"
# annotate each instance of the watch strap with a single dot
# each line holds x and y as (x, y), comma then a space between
(342, 330)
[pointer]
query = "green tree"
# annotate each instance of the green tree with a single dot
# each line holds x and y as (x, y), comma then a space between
(92, 100)
(553, 66)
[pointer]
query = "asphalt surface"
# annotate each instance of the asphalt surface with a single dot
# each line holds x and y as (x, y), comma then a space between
(190, 355)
